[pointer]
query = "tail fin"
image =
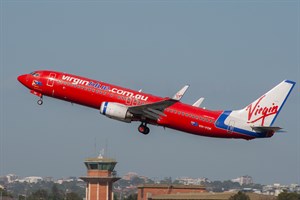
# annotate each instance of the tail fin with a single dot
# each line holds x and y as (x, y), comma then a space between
(264, 111)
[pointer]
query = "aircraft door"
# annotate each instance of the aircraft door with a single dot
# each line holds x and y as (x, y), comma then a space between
(50, 81)
(135, 102)
(230, 127)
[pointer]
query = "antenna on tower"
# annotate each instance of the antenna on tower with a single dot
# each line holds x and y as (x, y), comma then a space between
(101, 153)
(106, 144)
(95, 146)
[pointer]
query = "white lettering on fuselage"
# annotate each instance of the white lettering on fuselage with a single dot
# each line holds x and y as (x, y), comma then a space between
(78, 81)
(129, 94)
(74, 80)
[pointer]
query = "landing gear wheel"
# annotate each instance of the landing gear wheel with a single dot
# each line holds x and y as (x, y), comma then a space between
(147, 130)
(144, 129)
(40, 102)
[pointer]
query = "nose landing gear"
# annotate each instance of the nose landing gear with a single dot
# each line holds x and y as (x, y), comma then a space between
(143, 128)
(40, 101)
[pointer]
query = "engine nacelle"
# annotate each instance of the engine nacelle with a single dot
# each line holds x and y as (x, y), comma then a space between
(116, 111)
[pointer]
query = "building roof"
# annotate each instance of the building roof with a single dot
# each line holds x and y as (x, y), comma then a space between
(192, 196)
(209, 196)
(172, 186)
(101, 159)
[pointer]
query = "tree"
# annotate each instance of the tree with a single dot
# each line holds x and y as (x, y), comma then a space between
(240, 196)
(73, 196)
(4, 193)
(39, 195)
(176, 182)
(22, 197)
(166, 180)
(288, 196)
(56, 193)
(137, 181)
(131, 197)
(226, 185)
(116, 196)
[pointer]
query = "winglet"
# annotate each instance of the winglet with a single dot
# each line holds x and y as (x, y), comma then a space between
(180, 93)
(198, 102)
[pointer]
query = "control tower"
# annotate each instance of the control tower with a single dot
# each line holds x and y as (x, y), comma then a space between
(100, 177)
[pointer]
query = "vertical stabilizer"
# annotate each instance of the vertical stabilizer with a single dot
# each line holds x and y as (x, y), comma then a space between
(264, 111)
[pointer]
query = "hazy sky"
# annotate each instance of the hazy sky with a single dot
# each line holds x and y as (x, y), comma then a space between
(230, 52)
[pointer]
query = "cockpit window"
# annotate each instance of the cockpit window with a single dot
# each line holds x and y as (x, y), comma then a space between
(35, 74)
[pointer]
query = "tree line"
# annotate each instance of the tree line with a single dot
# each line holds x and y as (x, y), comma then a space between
(53, 194)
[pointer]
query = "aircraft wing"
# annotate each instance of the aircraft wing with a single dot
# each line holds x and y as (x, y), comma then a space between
(153, 110)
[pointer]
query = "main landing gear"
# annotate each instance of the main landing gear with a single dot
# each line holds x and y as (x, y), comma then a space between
(143, 128)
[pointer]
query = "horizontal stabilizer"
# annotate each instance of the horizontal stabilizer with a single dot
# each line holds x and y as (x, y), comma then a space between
(198, 102)
(180, 93)
(265, 129)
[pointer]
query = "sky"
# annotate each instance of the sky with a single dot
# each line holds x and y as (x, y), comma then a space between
(230, 52)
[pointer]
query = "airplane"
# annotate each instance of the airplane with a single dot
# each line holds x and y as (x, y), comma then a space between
(253, 121)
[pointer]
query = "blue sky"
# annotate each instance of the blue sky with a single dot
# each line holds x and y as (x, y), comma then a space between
(230, 52)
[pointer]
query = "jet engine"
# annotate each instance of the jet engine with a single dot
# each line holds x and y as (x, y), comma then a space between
(116, 111)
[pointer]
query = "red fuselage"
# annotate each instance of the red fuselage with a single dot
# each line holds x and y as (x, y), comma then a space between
(93, 93)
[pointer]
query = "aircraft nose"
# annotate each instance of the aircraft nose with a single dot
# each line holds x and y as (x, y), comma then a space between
(23, 79)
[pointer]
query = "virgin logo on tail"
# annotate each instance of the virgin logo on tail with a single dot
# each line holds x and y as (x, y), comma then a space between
(256, 112)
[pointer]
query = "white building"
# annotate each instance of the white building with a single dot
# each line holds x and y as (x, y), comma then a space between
(192, 181)
(11, 178)
(30, 179)
(243, 180)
